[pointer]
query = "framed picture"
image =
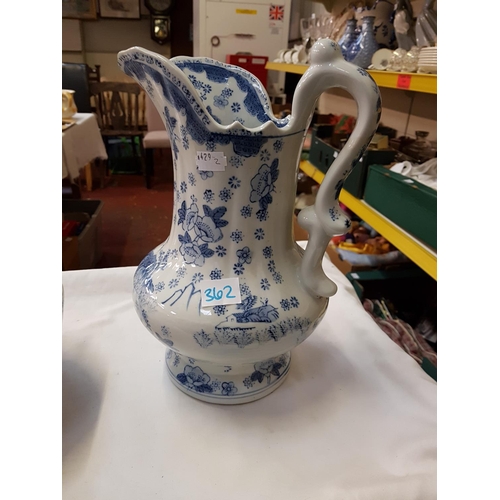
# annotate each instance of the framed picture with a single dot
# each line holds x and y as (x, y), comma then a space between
(79, 9)
(120, 9)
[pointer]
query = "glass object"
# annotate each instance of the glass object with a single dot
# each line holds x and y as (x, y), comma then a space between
(410, 60)
(426, 26)
(305, 32)
(396, 62)
(349, 37)
(366, 45)
(404, 25)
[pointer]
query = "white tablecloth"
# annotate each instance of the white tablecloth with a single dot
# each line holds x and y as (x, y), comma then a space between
(355, 419)
(81, 144)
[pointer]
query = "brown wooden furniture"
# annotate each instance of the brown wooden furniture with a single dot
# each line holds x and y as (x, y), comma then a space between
(120, 110)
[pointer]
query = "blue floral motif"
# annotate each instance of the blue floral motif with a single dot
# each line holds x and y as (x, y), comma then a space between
(160, 286)
(261, 215)
(195, 379)
(227, 92)
(185, 140)
(265, 370)
(247, 382)
(225, 194)
(334, 215)
(271, 265)
(188, 216)
(234, 182)
(244, 255)
(203, 339)
(238, 269)
(259, 234)
(294, 302)
(183, 187)
(220, 101)
(208, 195)
(265, 155)
(165, 336)
(181, 272)
(278, 145)
(264, 284)
(228, 388)
(206, 174)
(235, 107)
(278, 278)
(246, 211)
(173, 283)
(194, 247)
(210, 145)
(362, 72)
(191, 179)
(216, 274)
(220, 251)
(177, 360)
(237, 236)
(235, 161)
(263, 185)
(285, 304)
(244, 289)
(267, 252)
(197, 277)
(220, 310)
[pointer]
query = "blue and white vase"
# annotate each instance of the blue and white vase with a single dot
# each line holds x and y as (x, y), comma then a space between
(349, 37)
(366, 45)
(229, 293)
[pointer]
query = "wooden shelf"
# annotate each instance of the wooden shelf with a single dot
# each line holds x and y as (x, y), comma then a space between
(417, 251)
(418, 82)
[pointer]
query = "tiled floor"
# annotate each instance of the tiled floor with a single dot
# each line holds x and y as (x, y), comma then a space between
(134, 219)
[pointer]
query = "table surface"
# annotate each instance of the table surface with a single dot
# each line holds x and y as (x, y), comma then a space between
(81, 144)
(355, 419)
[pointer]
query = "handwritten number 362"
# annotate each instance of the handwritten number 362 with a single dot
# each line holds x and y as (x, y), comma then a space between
(213, 294)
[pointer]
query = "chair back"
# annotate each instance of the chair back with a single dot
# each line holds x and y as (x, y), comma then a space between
(75, 77)
(119, 107)
(153, 119)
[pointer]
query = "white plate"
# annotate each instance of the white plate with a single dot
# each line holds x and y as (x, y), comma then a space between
(381, 59)
(288, 56)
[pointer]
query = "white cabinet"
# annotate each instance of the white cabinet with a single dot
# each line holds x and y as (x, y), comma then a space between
(222, 27)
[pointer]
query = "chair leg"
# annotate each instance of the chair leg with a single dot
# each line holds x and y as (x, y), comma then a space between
(146, 157)
(88, 176)
(103, 168)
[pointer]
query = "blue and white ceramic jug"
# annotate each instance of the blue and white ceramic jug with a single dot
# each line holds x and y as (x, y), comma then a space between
(229, 293)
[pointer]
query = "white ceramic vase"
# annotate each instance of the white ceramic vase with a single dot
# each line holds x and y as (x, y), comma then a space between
(229, 293)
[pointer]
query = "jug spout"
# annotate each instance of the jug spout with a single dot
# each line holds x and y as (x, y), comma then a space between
(325, 219)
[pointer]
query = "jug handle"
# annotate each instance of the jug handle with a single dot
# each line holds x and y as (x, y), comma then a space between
(325, 218)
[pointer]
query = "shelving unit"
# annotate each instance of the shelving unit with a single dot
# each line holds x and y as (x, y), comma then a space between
(418, 82)
(417, 251)
(421, 254)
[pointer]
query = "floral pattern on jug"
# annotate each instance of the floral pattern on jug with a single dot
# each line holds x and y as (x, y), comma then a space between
(236, 222)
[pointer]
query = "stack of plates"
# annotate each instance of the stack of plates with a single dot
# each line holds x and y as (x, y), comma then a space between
(427, 60)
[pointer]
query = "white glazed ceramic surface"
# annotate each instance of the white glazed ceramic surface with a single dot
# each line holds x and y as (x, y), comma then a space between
(237, 223)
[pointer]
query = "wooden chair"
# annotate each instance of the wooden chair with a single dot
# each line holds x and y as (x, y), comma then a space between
(120, 110)
(156, 136)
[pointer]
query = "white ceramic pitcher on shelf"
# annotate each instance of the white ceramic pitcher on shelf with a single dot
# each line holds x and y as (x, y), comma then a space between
(229, 293)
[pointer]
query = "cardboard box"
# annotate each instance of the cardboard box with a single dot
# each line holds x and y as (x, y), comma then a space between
(88, 242)
(406, 202)
(344, 266)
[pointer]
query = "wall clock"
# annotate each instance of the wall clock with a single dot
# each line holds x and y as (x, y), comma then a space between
(160, 19)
